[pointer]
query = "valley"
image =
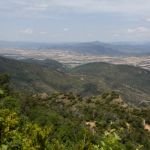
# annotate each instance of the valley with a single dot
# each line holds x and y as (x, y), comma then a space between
(72, 58)
(75, 54)
(74, 75)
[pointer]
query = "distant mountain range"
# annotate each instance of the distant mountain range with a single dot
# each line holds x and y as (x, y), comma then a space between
(96, 47)
(37, 76)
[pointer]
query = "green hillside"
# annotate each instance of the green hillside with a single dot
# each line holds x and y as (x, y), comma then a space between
(47, 63)
(133, 83)
(49, 76)
(38, 76)
(66, 121)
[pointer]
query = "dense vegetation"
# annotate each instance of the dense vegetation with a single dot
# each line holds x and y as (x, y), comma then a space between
(49, 76)
(65, 121)
(132, 83)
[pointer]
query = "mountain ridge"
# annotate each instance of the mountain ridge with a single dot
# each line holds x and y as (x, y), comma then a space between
(94, 47)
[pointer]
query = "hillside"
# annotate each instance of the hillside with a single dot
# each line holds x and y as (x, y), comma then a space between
(133, 83)
(66, 121)
(37, 76)
(49, 76)
(46, 63)
(91, 48)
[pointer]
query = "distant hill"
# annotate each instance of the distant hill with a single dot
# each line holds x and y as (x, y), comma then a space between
(30, 75)
(96, 47)
(89, 48)
(46, 63)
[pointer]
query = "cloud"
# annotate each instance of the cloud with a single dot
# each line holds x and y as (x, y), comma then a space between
(27, 31)
(138, 30)
(80, 6)
(104, 18)
(66, 29)
(37, 7)
(95, 6)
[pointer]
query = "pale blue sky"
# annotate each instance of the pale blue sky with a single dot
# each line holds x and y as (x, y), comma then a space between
(75, 20)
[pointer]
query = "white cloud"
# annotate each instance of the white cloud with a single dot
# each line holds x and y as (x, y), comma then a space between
(86, 6)
(95, 6)
(37, 7)
(138, 30)
(27, 31)
(66, 29)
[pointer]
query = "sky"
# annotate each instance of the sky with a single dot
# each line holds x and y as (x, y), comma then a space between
(75, 20)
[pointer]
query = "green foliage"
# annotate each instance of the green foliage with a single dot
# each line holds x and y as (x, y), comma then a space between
(4, 84)
(66, 121)
(68, 114)
(11, 103)
(17, 134)
(1, 93)
(4, 79)
(111, 141)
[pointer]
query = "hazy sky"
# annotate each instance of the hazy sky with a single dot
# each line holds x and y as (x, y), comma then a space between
(75, 20)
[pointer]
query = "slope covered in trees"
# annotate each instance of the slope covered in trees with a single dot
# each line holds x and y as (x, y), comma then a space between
(132, 83)
(65, 121)
(36, 76)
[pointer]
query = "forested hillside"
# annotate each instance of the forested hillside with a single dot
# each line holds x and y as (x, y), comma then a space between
(48, 76)
(133, 83)
(38, 76)
(65, 121)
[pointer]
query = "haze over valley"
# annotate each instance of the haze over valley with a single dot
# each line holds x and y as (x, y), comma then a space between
(74, 54)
